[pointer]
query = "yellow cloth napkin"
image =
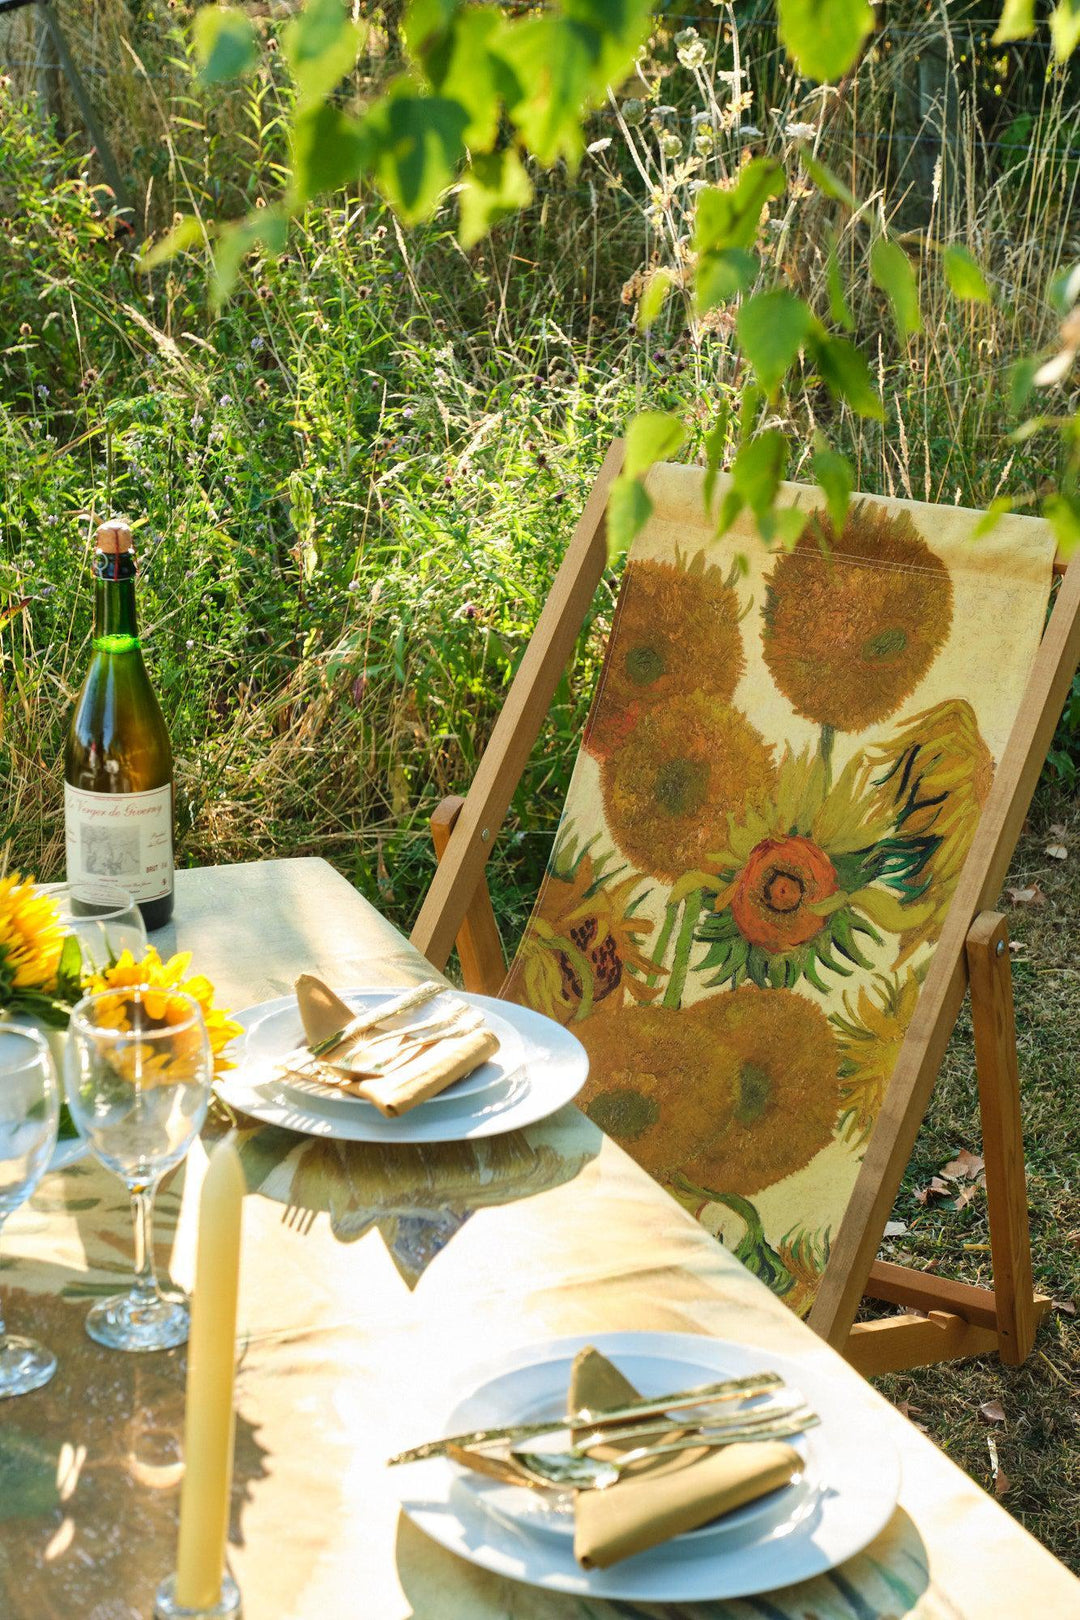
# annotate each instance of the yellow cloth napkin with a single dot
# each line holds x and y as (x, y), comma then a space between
(672, 1494)
(430, 1070)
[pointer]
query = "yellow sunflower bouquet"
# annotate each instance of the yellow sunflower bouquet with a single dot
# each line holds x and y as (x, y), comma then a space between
(42, 974)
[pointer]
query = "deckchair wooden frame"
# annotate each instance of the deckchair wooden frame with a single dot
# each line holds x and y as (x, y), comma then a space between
(945, 1320)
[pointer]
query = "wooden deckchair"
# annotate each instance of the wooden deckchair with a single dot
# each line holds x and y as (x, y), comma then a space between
(945, 1319)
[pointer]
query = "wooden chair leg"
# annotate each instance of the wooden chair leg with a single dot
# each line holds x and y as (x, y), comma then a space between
(479, 948)
(958, 1319)
(990, 976)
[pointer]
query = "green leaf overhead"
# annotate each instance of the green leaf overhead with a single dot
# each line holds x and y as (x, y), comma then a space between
(838, 304)
(846, 374)
(755, 478)
(833, 473)
(320, 45)
(463, 65)
(772, 328)
(824, 37)
(628, 511)
(730, 216)
(892, 271)
(653, 298)
(188, 233)
(1065, 28)
(425, 22)
(494, 186)
(1017, 21)
(226, 43)
(417, 143)
(650, 437)
(964, 276)
(550, 60)
(721, 276)
(329, 150)
(266, 228)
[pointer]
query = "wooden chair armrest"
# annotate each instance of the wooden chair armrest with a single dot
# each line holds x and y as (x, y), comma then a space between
(479, 947)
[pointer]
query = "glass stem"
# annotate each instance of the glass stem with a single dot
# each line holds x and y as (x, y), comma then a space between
(3, 1329)
(142, 1214)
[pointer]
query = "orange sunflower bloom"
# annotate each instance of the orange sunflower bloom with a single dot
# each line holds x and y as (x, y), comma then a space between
(851, 624)
(583, 944)
(682, 771)
(676, 630)
(734, 1093)
(777, 889)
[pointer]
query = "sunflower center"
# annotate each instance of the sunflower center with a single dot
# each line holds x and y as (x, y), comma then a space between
(680, 786)
(645, 664)
(887, 644)
(755, 1090)
(623, 1113)
(783, 891)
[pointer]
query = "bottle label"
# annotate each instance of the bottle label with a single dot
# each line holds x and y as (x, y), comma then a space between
(118, 841)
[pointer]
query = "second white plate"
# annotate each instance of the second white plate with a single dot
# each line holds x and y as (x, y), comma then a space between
(539, 1067)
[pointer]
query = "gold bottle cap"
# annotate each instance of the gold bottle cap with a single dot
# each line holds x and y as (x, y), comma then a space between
(114, 536)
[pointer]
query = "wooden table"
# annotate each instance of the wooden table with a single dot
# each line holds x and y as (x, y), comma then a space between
(371, 1279)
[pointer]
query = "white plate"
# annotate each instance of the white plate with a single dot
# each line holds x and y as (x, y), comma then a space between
(538, 1068)
(845, 1499)
(278, 1029)
(537, 1392)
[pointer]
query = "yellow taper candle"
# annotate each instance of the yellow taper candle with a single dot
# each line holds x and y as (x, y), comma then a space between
(208, 1431)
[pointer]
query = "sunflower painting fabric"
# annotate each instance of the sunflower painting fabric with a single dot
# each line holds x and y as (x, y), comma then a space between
(781, 776)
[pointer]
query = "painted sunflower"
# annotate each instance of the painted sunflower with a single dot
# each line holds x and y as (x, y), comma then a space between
(934, 776)
(30, 942)
(734, 1093)
(804, 1256)
(802, 876)
(851, 624)
(676, 630)
(682, 770)
(871, 1032)
(584, 943)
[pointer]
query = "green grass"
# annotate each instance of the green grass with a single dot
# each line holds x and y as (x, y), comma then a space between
(354, 487)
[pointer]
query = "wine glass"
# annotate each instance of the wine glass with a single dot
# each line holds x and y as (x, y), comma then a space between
(104, 927)
(137, 1071)
(29, 1113)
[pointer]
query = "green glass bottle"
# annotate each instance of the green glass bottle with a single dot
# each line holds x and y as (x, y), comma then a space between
(118, 792)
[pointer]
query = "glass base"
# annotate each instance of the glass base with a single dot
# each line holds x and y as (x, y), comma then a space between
(24, 1365)
(226, 1608)
(135, 1322)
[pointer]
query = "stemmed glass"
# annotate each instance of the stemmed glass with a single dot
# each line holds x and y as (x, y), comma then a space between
(29, 1113)
(137, 1071)
(103, 927)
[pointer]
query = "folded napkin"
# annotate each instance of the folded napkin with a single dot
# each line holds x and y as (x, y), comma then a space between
(671, 1494)
(395, 1080)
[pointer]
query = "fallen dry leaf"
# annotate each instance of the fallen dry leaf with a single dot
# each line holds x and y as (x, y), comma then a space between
(1066, 1305)
(1018, 950)
(992, 1411)
(895, 1229)
(935, 1187)
(965, 1167)
(1057, 851)
(1057, 829)
(997, 1473)
(966, 1194)
(906, 1409)
(1026, 897)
